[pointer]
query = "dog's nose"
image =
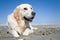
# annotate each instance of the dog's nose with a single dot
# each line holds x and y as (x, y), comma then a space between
(33, 13)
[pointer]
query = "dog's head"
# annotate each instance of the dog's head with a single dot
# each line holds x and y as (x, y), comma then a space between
(25, 11)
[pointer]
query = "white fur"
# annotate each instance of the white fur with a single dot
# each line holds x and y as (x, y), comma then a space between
(12, 24)
(28, 12)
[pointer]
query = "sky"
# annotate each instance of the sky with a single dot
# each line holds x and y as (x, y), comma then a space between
(47, 11)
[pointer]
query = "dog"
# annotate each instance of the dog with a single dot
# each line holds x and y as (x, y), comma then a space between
(19, 21)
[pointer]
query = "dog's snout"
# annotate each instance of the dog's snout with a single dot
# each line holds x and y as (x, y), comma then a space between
(33, 13)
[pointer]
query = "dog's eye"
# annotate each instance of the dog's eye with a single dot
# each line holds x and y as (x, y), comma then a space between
(31, 8)
(25, 9)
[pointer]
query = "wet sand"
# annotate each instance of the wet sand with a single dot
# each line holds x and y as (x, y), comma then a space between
(45, 32)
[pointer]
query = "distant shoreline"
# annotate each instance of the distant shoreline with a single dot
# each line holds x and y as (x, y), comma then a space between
(38, 25)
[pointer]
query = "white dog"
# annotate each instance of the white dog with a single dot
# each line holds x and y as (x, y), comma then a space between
(18, 21)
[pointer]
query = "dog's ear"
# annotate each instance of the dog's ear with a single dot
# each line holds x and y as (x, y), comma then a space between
(17, 15)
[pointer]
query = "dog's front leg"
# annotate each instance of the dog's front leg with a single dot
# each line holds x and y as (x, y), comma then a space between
(14, 33)
(33, 28)
(27, 31)
(11, 29)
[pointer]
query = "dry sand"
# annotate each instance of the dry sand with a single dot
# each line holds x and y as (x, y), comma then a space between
(45, 32)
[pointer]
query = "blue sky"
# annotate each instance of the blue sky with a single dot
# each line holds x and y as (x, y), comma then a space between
(47, 11)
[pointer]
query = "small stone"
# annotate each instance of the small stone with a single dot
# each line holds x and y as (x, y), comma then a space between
(7, 32)
(43, 34)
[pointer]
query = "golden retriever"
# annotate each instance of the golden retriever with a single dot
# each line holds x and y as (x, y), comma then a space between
(18, 21)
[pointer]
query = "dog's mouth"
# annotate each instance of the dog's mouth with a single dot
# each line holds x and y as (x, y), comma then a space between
(29, 19)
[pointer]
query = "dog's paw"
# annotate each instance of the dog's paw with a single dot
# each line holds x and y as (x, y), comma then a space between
(14, 33)
(35, 28)
(27, 32)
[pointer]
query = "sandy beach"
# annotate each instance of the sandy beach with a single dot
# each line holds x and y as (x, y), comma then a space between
(45, 32)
